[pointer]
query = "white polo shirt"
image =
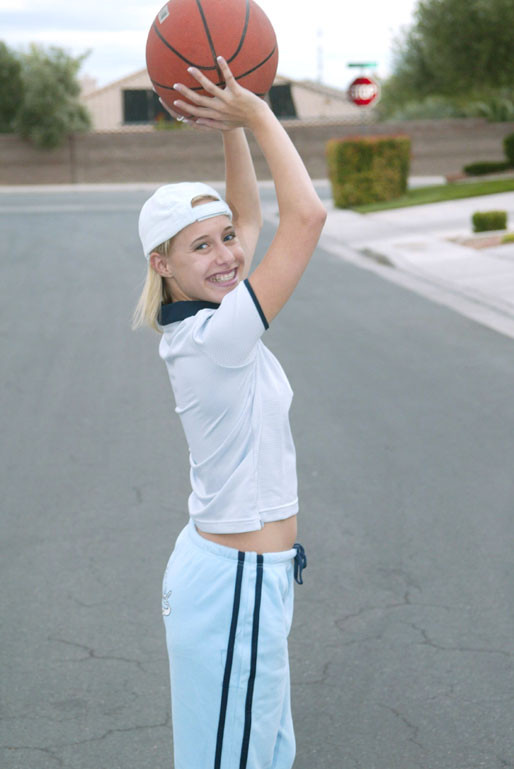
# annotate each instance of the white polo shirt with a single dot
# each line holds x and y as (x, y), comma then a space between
(233, 399)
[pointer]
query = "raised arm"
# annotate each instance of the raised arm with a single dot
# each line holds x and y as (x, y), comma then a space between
(302, 215)
(242, 192)
(241, 187)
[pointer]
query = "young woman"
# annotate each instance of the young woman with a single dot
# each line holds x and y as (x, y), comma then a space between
(228, 586)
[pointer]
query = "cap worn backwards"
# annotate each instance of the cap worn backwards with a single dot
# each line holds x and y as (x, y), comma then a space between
(169, 210)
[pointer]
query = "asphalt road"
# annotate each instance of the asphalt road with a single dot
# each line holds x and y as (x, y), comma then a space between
(402, 645)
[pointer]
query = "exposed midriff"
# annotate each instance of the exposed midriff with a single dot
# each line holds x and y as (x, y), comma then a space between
(273, 537)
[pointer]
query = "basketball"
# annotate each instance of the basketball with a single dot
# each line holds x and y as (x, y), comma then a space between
(192, 33)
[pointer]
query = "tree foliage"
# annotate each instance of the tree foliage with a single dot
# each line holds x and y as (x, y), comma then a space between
(459, 50)
(49, 107)
(11, 87)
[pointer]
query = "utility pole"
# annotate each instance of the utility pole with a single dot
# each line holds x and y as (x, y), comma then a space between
(320, 55)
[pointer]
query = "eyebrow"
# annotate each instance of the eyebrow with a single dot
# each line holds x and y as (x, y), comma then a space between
(203, 237)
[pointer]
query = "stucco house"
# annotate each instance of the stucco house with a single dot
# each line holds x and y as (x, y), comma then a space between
(131, 104)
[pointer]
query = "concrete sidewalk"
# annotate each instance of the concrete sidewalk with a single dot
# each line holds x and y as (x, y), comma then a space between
(415, 242)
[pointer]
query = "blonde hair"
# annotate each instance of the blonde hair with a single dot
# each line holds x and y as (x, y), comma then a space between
(156, 291)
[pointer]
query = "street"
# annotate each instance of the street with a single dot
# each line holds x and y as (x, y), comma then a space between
(402, 644)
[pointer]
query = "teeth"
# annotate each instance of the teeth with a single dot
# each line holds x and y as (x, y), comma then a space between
(224, 277)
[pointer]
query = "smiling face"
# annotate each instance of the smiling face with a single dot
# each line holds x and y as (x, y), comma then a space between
(205, 261)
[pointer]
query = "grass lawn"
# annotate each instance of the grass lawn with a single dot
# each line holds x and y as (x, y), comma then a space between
(440, 192)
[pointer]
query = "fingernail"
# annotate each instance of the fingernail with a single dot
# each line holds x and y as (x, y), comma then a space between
(190, 69)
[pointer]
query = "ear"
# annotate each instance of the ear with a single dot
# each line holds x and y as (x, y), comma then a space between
(160, 264)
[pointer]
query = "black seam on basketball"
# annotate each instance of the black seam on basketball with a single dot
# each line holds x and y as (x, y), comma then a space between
(170, 87)
(177, 53)
(249, 72)
(222, 83)
(247, 17)
(209, 38)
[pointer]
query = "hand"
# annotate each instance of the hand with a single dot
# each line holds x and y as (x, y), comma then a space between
(181, 118)
(225, 109)
(177, 115)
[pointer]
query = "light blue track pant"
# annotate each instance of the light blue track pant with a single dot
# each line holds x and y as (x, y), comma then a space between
(227, 615)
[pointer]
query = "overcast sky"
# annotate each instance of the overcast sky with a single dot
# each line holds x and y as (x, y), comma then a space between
(116, 32)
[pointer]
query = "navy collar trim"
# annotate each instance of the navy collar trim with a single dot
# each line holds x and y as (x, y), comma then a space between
(174, 311)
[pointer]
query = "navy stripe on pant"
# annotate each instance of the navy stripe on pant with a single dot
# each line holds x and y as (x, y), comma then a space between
(227, 616)
(230, 654)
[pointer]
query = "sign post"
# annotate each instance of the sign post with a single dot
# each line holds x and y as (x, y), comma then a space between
(363, 91)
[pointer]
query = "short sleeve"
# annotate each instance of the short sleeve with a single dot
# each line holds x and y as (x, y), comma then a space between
(230, 334)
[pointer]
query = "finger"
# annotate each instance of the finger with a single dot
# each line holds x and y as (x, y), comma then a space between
(207, 84)
(206, 126)
(172, 112)
(210, 125)
(227, 74)
(193, 96)
(198, 111)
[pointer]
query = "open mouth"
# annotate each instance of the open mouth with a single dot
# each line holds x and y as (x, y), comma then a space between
(223, 278)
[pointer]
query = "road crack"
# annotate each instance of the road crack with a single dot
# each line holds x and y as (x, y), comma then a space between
(92, 654)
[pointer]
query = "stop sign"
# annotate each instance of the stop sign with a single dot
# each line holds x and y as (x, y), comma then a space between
(363, 91)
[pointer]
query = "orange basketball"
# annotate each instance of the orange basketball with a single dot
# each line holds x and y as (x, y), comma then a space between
(192, 33)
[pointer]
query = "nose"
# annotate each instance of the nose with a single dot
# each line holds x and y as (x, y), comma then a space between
(223, 254)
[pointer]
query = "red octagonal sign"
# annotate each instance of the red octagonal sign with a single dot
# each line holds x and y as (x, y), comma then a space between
(363, 91)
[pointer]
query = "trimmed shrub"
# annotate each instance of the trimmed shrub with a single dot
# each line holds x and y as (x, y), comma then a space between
(368, 169)
(486, 167)
(509, 238)
(508, 148)
(483, 221)
(489, 166)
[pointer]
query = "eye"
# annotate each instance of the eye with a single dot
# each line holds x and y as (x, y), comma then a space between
(199, 247)
(230, 236)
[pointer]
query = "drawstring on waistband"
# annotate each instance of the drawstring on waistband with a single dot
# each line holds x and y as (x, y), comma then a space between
(300, 563)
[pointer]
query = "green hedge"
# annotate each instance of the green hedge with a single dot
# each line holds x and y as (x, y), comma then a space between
(508, 148)
(368, 169)
(485, 167)
(483, 221)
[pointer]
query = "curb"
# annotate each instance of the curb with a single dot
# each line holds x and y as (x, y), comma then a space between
(389, 258)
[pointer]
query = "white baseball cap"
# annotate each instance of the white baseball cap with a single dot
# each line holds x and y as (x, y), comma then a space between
(169, 210)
